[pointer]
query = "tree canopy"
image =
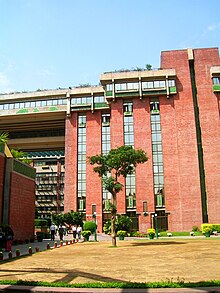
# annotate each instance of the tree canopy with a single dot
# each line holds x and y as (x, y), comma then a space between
(118, 162)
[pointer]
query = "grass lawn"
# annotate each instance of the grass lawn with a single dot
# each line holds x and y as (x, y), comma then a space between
(189, 260)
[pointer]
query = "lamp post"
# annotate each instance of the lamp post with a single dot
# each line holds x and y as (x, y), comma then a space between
(95, 234)
(156, 225)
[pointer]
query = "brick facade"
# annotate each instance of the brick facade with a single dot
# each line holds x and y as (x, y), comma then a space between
(18, 209)
(182, 184)
(22, 206)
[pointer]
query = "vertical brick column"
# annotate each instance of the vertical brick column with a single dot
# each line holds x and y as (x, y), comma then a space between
(144, 172)
(117, 140)
(22, 206)
(93, 181)
(181, 170)
(70, 192)
(209, 122)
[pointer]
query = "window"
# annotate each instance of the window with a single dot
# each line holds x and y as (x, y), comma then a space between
(216, 80)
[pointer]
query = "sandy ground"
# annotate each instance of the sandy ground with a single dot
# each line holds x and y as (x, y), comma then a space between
(137, 261)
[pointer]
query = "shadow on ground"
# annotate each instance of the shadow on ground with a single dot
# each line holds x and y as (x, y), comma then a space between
(157, 243)
(70, 275)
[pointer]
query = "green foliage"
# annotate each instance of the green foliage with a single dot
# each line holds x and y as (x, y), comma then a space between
(40, 222)
(151, 231)
(216, 227)
(148, 66)
(58, 219)
(121, 233)
(122, 222)
(4, 136)
(89, 226)
(73, 218)
(206, 227)
(195, 228)
(20, 155)
(120, 161)
(86, 233)
(122, 285)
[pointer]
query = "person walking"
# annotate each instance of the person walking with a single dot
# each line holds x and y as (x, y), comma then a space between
(9, 234)
(74, 232)
(79, 231)
(52, 232)
(61, 232)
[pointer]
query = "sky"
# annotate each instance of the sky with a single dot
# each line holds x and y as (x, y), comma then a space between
(49, 44)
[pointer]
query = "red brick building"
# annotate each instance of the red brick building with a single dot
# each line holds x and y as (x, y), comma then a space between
(172, 114)
(17, 197)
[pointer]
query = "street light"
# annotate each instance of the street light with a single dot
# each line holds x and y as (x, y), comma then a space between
(156, 225)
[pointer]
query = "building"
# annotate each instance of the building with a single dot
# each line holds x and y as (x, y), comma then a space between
(172, 113)
(17, 195)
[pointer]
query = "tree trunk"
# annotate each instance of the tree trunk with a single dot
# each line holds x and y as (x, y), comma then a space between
(113, 218)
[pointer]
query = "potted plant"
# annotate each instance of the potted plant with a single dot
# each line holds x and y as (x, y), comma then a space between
(121, 234)
(86, 234)
(151, 233)
(207, 231)
(18, 253)
(40, 236)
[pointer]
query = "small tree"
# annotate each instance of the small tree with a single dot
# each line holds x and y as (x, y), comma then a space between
(118, 162)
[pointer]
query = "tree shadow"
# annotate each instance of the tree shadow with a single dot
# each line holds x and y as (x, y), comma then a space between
(154, 243)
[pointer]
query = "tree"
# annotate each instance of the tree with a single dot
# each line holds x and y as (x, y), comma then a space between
(118, 162)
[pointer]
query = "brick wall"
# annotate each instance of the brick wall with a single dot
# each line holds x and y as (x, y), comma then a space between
(181, 170)
(144, 172)
(209, 122)
(22, 206)
(117, 140)
(93, 181)
(70, 199)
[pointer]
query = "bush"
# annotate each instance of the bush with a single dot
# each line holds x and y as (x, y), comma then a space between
(40, 222)
(121, 223)
(216, 227)
(151, 231)
(89, 226)
(195, 228)
(205, 226)
(121, 233)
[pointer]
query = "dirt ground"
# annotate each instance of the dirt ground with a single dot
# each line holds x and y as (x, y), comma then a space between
(137, 261)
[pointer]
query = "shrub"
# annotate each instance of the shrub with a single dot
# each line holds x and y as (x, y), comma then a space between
(86, 233)
(40, 222)
(216, 227)
(195, 228)
(204, 226)
(121, 233)
(151, 231)
(122, 222)
(89, 226)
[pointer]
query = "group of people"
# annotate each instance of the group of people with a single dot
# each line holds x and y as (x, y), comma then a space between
(62, 230)
(6, 238)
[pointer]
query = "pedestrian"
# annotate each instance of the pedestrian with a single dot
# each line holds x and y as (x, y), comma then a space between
(61, 232)
(9, 234)
(74, 231)
(52, 232)
(78, 231)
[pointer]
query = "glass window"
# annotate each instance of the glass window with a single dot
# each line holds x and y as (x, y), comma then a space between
(109, 87)
(38, 103)
(171, 82)
(33, 104)
(216, 80)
